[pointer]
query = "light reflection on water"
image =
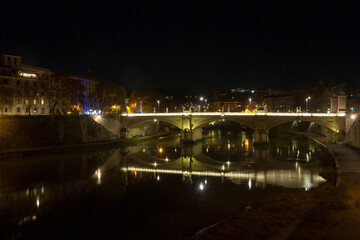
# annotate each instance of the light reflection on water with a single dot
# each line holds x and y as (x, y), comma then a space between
(229, 163)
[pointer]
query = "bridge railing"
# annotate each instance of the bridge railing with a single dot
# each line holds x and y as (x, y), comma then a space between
(222, 114)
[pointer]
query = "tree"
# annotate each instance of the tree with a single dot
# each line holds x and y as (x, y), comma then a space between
(30, 97)
(74, 91)
(149, 99)
(6, 97)
(110, 95)
(54, 100)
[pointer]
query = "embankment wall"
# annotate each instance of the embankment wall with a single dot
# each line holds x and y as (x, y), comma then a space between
(17, 132)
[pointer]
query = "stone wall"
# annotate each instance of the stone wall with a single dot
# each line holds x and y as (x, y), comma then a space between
(111, 123)
(353, 135)
(114, 124)
(19, 132)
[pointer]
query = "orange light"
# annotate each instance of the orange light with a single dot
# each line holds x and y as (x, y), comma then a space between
(160, 150)
(246, 144)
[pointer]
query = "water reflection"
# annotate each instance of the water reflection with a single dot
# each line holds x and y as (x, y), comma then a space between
(234, 158)
(222, 167)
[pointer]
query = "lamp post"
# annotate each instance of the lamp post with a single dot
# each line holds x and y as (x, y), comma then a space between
(249, 104)
(307, 100)
(201, 103)
(158, 103)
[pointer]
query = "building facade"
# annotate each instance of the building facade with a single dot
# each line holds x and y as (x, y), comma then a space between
(279, 103)
(29, 90)
(23, 88)
(75, 94)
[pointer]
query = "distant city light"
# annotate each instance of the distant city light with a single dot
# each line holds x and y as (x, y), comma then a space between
(201, 186)
(201, 98)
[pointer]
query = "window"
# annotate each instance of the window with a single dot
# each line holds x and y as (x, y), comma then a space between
(34, 101)
(6, 109)
(34, 110)
(18, 110)
(42, 101)
(26, 102)
(15, 60)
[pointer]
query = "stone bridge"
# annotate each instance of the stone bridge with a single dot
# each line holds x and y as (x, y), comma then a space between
(191, 123)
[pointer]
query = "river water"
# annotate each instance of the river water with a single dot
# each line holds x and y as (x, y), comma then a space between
(155, 190)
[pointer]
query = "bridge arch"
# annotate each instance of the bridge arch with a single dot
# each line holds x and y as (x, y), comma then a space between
(328, 125)
(200, 123)
(138, 123)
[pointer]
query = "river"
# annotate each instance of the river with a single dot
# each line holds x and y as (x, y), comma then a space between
(154, 190)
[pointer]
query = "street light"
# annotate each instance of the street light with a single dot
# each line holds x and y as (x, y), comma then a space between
(158, 102)
(249, 103)
(307, 100)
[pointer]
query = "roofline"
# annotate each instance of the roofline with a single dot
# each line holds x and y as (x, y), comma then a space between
(39, 68)
(75, 76)
(9, 54)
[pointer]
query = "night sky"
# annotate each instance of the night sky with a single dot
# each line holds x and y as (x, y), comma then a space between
(194, 44)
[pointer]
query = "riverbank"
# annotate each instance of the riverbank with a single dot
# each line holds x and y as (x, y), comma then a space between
(324, 212)
(90, 146)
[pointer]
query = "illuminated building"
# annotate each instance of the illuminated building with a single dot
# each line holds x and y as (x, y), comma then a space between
(89, 105)
(279, 103)
(23, 88)
(29, 90)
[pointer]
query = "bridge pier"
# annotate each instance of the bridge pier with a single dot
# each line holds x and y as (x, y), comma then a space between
(191, 136)
(261, 136)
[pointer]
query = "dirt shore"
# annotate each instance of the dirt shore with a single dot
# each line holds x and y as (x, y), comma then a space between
(325, 212)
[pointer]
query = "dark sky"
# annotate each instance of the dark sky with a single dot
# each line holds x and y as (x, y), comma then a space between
(200, 45)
